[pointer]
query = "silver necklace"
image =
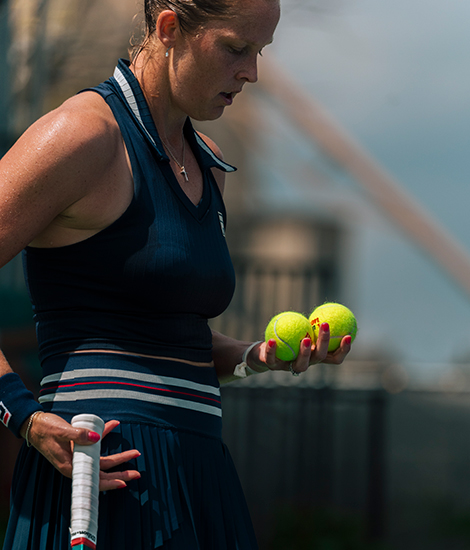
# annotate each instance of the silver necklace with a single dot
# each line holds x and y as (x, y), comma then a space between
(180, 166)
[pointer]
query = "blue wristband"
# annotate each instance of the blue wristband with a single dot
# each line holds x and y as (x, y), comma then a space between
(17, 403)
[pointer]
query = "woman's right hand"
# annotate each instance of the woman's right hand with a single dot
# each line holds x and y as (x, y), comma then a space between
(54, 437)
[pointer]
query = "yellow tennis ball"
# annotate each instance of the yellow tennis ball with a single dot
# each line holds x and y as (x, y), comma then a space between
(288, 329)
(341, 321)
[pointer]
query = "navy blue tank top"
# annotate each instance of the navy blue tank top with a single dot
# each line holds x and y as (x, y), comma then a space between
(150, 281)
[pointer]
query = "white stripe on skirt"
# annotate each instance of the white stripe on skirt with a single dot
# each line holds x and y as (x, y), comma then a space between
(129, 394)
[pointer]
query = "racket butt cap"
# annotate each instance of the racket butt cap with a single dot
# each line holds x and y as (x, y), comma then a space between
(82, 544)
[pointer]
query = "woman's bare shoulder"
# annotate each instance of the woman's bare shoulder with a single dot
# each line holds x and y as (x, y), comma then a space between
(57, 162)
(83, 118)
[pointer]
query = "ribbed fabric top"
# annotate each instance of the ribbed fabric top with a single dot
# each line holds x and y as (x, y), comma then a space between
(149, 282)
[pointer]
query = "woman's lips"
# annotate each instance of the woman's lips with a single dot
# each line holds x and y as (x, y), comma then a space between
(228, 97)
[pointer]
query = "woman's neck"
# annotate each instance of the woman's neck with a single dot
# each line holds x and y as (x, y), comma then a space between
(153, 78)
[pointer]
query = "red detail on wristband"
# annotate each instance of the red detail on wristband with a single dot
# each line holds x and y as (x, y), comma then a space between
(5, 414)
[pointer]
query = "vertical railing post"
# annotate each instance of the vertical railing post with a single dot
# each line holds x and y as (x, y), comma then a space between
(376, 496)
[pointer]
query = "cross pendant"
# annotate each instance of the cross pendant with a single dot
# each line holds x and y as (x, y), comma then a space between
(184, 173)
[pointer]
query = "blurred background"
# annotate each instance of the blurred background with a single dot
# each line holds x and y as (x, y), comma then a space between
(353, 187)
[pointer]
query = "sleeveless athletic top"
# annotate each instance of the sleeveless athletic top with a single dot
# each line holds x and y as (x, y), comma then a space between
(150, 281)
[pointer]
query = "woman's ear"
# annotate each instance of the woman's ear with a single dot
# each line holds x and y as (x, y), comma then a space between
(167, 27)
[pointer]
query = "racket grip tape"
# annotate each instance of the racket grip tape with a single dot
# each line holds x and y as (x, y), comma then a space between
(85, 486)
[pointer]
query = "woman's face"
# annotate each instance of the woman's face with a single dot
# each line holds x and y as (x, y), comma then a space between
(210, 68)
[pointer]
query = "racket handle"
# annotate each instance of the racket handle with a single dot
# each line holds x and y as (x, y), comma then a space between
(85, 485)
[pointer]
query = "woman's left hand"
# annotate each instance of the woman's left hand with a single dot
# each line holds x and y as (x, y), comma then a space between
(309, 354)
(116, 480)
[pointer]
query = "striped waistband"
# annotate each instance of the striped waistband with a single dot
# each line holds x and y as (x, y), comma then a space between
(133, 389)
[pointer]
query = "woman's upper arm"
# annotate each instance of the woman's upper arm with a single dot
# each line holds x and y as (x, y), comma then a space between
(51, 166)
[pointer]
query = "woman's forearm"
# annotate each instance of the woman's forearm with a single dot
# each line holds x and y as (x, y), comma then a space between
(4, 365)
(227, 353)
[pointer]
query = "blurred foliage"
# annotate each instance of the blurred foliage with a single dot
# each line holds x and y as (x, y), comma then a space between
(58, 48)
(315, 528)
(15, 309)
(452, 522)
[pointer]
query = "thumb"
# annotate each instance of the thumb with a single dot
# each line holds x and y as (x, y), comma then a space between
(82, 436)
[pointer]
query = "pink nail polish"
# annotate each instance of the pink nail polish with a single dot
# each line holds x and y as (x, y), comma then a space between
(307, 342)
(348, 339)
(94, 437)
(325, 327)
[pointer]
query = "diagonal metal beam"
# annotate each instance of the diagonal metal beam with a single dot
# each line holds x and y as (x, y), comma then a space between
(381, 188)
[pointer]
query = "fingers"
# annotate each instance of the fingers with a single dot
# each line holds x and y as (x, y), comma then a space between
(267, 354)
(83, 436)
(117, 480)
(338, 356)
(308, 354)
(110, 481)
(302, 362)
(109, 427)
(320, 351)
(111, 461)
(54, 438)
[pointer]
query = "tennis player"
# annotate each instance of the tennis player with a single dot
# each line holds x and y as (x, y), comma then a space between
(117, 204)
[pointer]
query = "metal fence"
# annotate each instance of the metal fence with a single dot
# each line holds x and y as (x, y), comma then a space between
(337, 461)
(305, 451)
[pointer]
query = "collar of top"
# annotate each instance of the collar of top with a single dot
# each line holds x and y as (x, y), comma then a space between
(130, 91)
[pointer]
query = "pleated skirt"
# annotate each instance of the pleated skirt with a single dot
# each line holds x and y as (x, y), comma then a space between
(189, 496)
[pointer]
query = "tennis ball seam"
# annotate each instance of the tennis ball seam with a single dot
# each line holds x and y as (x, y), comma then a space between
(283, 341)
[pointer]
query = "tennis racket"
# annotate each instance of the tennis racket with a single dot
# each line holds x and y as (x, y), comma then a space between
(85, 486)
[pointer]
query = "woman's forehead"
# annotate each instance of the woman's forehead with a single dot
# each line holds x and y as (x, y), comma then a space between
(255, 20)
(244, 7)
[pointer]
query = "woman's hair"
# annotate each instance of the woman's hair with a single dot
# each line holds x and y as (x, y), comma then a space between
(192, 14)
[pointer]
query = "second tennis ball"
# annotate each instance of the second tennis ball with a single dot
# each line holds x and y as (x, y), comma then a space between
(341, 321)
(288, 329)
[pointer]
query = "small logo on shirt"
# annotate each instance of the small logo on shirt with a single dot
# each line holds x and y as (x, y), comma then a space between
(222, 225)
(5, 414)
